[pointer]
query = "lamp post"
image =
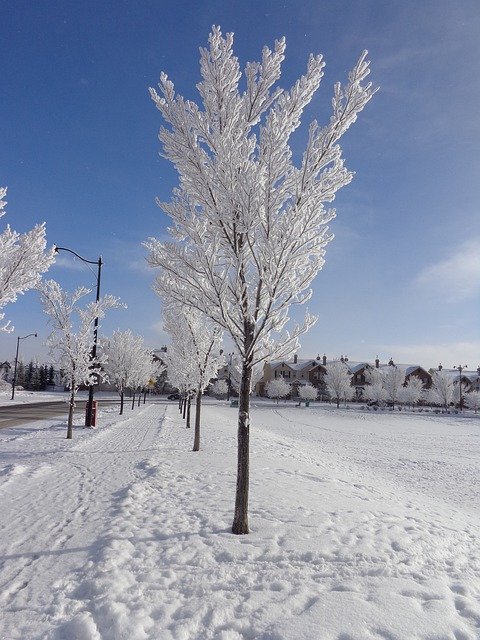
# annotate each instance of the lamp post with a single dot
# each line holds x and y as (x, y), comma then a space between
(88, 414)
(16, 362)
(460, 369)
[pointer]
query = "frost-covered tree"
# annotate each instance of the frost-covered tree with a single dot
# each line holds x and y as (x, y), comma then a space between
(412, 391)
(472, 400)
(307, 392)
(127, 361)
(236, 368)
(249, 225)
(143, 372)
(442, 390)
(339, 381)
(393, 381)
(72, 338)
(198, 340)
(219, 388)
(277, 388)
(23, 258)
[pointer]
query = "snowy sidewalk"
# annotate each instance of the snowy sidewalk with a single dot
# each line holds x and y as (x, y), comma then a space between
(127, 536)
(57, 497)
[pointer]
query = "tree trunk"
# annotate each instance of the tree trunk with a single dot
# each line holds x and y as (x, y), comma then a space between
(184, 407)
(139, 398)
(338, 403)
(240, 520)
(71, 407)
(144, 396)
(133, 401)
(198, 406)
(189, 402)
(121, 402)
(180, 400)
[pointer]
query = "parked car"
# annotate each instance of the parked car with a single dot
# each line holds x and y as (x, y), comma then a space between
(174, 396)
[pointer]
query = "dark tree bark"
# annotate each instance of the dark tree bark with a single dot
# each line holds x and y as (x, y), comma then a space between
(189, 402)
(240, 520)
(139, 398)
(133, 401)
(184, 407)
(144, 396)
(121, 402)
(71, 407)
(198, 407)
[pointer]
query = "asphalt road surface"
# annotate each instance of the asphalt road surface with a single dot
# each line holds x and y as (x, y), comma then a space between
(19, 414)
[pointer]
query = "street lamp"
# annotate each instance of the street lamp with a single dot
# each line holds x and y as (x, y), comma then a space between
(16, 362)
(89, 412)
(460, 369)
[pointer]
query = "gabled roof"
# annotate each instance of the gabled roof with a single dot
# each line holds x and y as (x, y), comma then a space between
(406, 368)
(295, 366)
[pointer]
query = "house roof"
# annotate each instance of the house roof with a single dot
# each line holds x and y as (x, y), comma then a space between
(295, 366)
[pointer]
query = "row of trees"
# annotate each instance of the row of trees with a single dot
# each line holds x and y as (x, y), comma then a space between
(34, 376)
(123, 359)
(249, 226)
(388, 386)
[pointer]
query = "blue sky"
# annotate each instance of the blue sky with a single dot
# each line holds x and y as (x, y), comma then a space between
(80, 151)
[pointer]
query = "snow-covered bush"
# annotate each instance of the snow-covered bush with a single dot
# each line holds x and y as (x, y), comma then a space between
(277, 388)
(307, 392)
(472, 400)
(219, 388)
(412, 391)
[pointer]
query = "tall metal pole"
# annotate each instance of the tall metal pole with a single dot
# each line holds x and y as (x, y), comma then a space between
(16, 362)
(89, 411)
(460, 369)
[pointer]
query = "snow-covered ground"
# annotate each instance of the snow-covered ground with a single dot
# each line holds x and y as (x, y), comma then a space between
(364, 526)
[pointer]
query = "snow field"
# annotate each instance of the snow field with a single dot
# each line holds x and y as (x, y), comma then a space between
(360, 530)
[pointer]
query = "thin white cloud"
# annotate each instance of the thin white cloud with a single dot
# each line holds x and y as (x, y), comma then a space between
(455, 278)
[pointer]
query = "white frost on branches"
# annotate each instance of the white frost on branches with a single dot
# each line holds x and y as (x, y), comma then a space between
(338, 380)
(278, 388)
(23, 258)
(128, 363)
(412, 391)
(72, 337)
(393, 381)
(472, 400)
(307, 392)
(249, 227)
(442, 390)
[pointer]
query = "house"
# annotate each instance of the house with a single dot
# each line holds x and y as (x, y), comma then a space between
(5, 370)
(298, 372)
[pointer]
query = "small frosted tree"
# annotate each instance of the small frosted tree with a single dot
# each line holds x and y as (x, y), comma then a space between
(277, 388)
(196, 337)
(143, 372)
(72, 337)
(219, 388)
(249, 226)
(307, 392)
(472, 400)
(412, 391)
(23, 258)
(339, 382)
(442, 391)
(127, 361)
(393, 381)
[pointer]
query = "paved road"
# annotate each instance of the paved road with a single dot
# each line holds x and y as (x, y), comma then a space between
(19, 414)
